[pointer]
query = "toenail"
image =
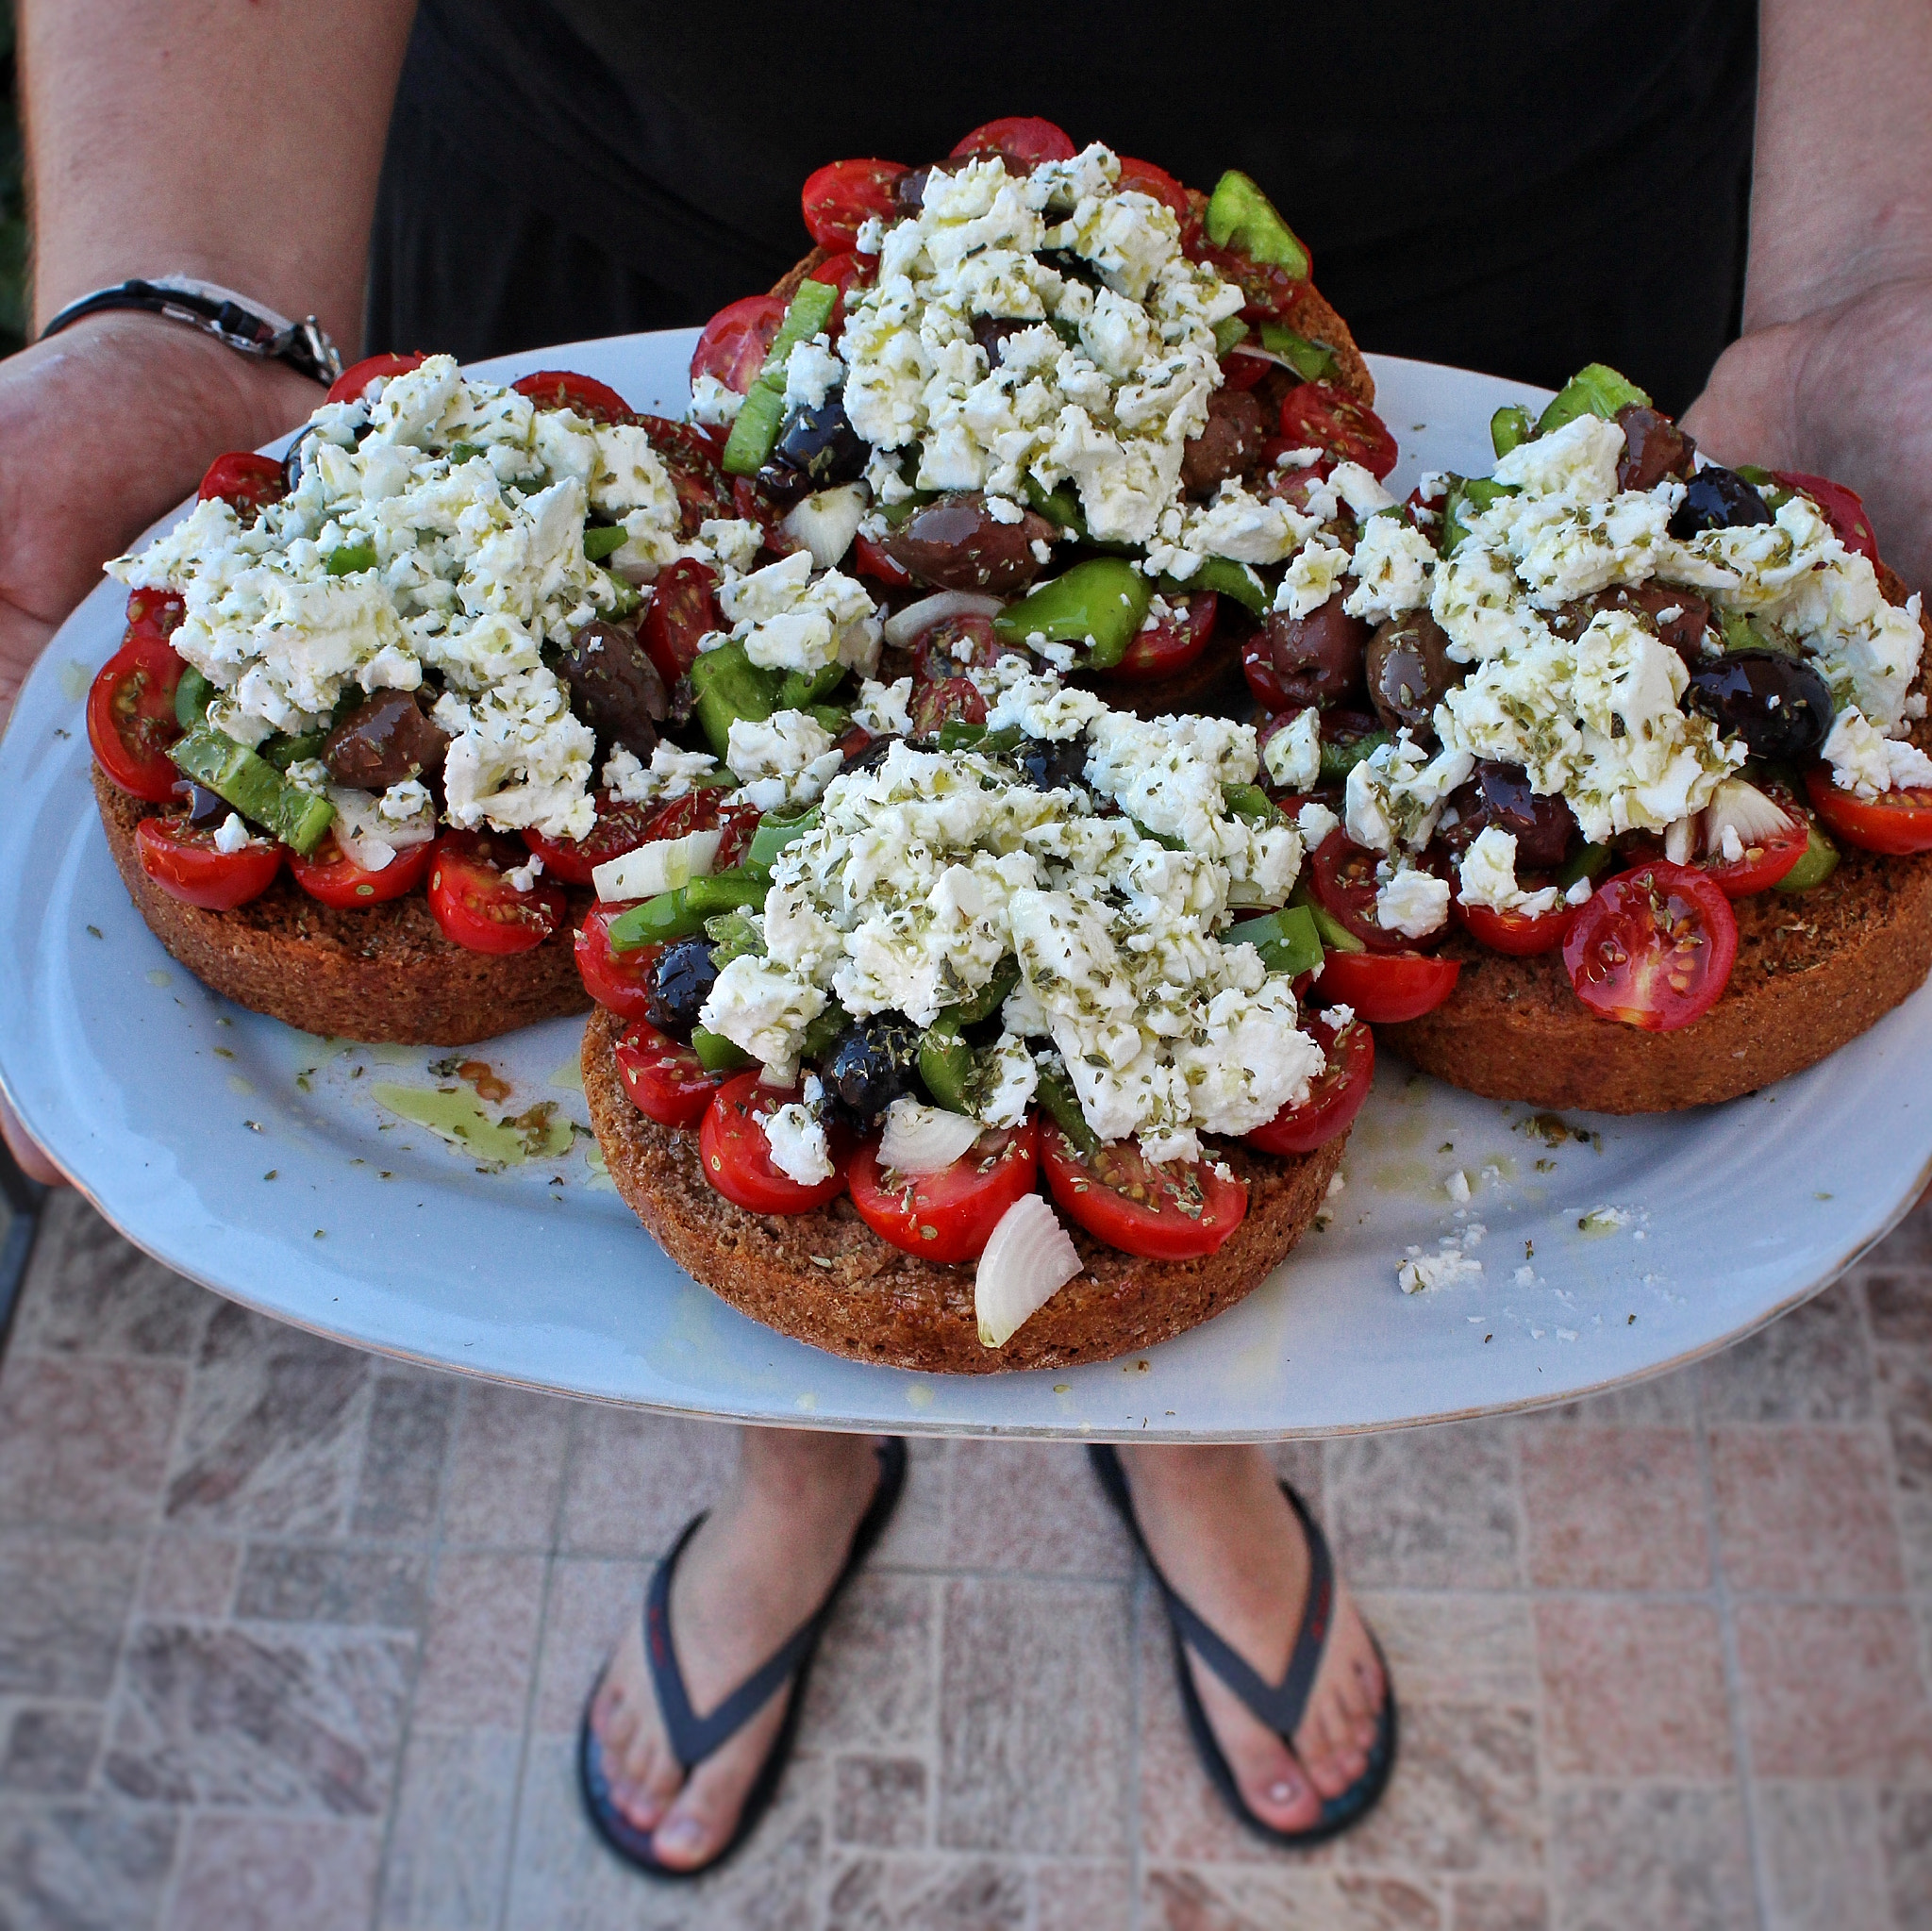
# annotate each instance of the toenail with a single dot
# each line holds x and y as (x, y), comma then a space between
(1282, 1792)
(680, 1834)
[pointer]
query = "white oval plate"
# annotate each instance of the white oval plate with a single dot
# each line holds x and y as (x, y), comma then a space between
(172, 1110)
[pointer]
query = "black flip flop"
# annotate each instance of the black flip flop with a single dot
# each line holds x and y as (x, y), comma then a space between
(693, 1737)
(1281, 1706)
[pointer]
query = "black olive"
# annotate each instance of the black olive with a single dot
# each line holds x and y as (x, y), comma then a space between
(1778, 705)
(204, 806)
(1409, 670)
(1318, 658)
(1542, 822)
(781, 487)
(1053, 764)
(822, 444)
(1073, 267)
(1717, 499)
(681, 983)
(614, 687)
(875, 1062)
(869, 755)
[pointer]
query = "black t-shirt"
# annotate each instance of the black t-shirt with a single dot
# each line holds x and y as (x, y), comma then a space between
(1514, 186)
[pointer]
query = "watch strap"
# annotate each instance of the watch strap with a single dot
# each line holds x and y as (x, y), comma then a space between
(243, 326)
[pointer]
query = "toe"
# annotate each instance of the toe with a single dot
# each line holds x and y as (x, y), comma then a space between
(700, 1822)
(1275, 1788)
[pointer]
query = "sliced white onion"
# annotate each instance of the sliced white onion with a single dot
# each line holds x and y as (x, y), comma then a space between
(827, 522)
(1028, 1260)
(366, 837)
(1680, 840)
(923, 1140)
(907, 627)
(661, 866)
(1741, 807)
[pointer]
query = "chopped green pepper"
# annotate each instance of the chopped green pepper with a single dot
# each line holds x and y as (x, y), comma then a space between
(1340, 755)
(192, 696)
(1251, 804)
(1334, 935)
(1101, 603)
(1595, 390)
(1225, 579)
(626, 596)
(1743, 633)
(762, 414)
(604, 539)
(1818, 863)
(945, 1063)
(1473, 493)
(1313, 362)
(349, 558)
(1061, 506)
(716, 1053)
(1586, 861)
(1287, 941)
(656, 922)
(254, 787)
(734, 935)
(1054, 1091)
(774, 835)
(1240, 216)
(1510, 426)
(991, 996)
(1228, 333)
(283, 752)
(824, 1032)
(729, 890)
(801, 690)
(726, 685)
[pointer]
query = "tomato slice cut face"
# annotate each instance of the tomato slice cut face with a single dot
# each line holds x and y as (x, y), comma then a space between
(1653, 947)
(245, 481)
(185, 861)
(1335, 1095)
(1385, 988)
(1318, 415)
(329, 874)
(1174, 1211)
(736, 340)
(1899, 823)
(564, 388)
(948, 1216)
(130, 717)
(1342, 877)
(666, 1082)
(620, 982)
(1844, 509)
(1146, 179)
(349, 385)
(1520, 935)
(620, 828)
(838, 198)
(476, 906)
(737, 1157)
(1765, 860)
(1171, 643)
(684, 608)
(1025, 140)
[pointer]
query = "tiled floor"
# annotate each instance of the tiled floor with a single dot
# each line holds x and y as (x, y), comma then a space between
(292, 1638)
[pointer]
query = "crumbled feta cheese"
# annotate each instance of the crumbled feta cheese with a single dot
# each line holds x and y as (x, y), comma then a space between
(670, 775)
(1392, 566)
(1487, 875)
(1292, 755)
(1413, 902)
(1313, 576)
(790, 620)
(785, 762)
(232, 836)
(795, 1133)
(1419, 1272)
(885, 709)
(1043, 707)
(712, 404)
(1314, 821)
(811, 373)
(1864, 761)
(1395, 795)
(524, 878)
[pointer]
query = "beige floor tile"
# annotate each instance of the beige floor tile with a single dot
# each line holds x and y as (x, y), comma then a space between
(926, 1893)
(1478, 1903)
(83, 1864)
(1211, 1898)
(589, 1602)
(505, 1468)
(274, 1874)
(881, 1803)
(83, 1442)
(874, 1686)
(481, 1645)
(635, 1480)
(1615, 1509)
(1820, 1847)
(1426, 1508)
(1805, 1512)
(1652, 1856)
(63, 1604)
(48, 1749)
(449, 1847)
(1455, 1646)
(87, 1292)
(1030, 1506)
(1904, 1833)
(189, 1574)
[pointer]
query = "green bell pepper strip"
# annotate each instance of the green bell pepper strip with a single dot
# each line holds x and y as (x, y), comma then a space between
(1251, 804)
(349, 558)
(1312, 361)
(989, 999)
(773, 836)
(1743, 633)
(1101, 603)
(1339, 760)
(284, 752)
(1595, 390)
(1229, 332)
(824, 1032)
(1510, 427)
(604, 539)
(1061, 506)
(1473, 493)
(192, 696)
(656, 922)
(716, 1053)
(945, 1063)
(1054, 1091)
(1334, 935)
(1225, 579)
(254, 787)
(1766, 484)
(1287, 941)
(626, 596)
(802, 689)
(726, 685)
(1240, 216)
(1819, 863)
(756, 431)
(1586, 861)
(738, 888)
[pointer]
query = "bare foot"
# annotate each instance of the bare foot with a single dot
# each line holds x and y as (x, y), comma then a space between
(765, 1561)
(1221, 1531)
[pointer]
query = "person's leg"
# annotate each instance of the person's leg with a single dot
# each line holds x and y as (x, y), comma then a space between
(763, 1562)
(1219, 1528)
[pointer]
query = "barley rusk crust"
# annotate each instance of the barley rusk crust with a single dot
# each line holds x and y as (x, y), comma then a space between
(386, 974)
(825, 1278)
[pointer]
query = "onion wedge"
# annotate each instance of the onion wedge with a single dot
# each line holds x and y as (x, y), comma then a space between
(1029, 1258)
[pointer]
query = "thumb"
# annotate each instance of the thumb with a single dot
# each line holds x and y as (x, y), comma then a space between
(31, 1161)
(1747, 412)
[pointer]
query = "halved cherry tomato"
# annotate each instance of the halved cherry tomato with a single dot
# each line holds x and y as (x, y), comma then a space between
(846, 271)
(1899, 823)
(350, 383)
(1385, 988)
(1335, 1095)
(736, 340)
(699, 810)
(1271, 293)
(154, 613)
(1766, 861)
(1296, 485)
(1844, 509)
(1172, 643)
(477, 907)
(666, 1082)
(953, 647)
(330, 874)
(1317, 415)
(949, 1216)
(618, 981)
(245, 481)
(1025, 140)
(563, 389)
(869, 560)
(683, 608)
(943, 701)
(620, 828)
(841, 196)
(1175, 1211)
(1240, 370)
(737, 1157)
(1653, 947)
(1520, 935)
(1343, 877)
(130, 717)
(1143, 178)
(184, 860)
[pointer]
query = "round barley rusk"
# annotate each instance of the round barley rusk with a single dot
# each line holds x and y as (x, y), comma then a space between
(825, 1278)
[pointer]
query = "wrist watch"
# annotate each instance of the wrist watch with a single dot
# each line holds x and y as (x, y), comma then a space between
(244, 326)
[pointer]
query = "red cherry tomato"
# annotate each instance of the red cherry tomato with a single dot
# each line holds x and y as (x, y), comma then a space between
(842, 195)
(949, 1216)
(245, 481)
(667, 1082)
(330, 874)
(620, 828)
(1342, 877)
(683, 608)
(943, 701)
(186, 863)
(691, 453)
(1335, 1095)
(130, 717)
(869, 560)
(155, 614)
(1143, 178)
(737, 1157)
(477, 907)
(1271, 293)
(1385, 988)
(1521, 935)
(699, 810)
(1766, 861)
(620, 982)
(1317, 415)
(953, 647)
(1653, 947)
(1844, 509)
(1175, 1211)
(1257, 667)
(563, 389)
(350, 383)
(844, 272)
(1025, 140)
(1240, 370)
(1899, 823)
(736, 340)
(1173, 644)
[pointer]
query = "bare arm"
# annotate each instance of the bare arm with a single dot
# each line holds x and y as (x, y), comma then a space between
(1834, 371)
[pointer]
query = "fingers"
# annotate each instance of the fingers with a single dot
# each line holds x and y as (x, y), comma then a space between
(28, 1157)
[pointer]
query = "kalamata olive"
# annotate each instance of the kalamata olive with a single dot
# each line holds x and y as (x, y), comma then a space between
(781, 487)
(908, 191)
(1716, 499)
(875, 1060)
(615, 688)
(1317, 658)
(1408, 669)
(383, 741)
(1228, 446)
(1778, 705)
(679, 984)
(1654, 449)
(204, 806)
(958, 543)
(823, 444)
(1053, 764)
(1076, 268)
(990, 331)
(1542, 822)
(1679, 617)
(869, 755)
